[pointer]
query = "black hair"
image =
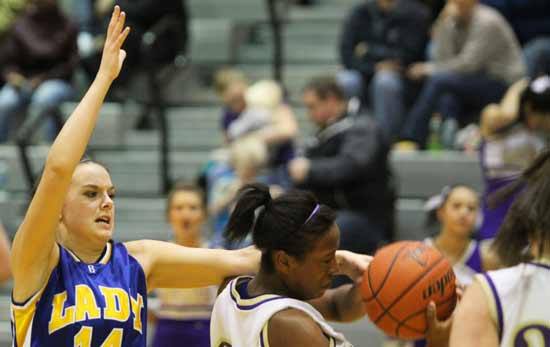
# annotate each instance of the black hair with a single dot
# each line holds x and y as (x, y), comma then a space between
(537, 96)
(291, 222)
(528, 218)
(182, 186)
(325, 86)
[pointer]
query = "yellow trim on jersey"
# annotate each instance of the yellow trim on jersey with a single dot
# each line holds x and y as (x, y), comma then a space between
(107, 255)
(491, 300)
(22, 317)
(264, 335)
(545, 261)
(248, 302)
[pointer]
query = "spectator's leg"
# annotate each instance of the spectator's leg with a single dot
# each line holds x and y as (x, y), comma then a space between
(11, 101)
(387, 100)
(473, 90)
(45, 101)
(352, 83)
(450, 109)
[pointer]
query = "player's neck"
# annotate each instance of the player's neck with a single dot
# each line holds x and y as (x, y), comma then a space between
(87, 255)
(452, 246)
(264, 283)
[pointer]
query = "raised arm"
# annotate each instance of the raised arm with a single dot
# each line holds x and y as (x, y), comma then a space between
(34, 253)
(167, 265)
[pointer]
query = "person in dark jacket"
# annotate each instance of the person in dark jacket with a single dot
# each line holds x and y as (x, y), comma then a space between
(380, 39)
(39, 57)
(346, 167)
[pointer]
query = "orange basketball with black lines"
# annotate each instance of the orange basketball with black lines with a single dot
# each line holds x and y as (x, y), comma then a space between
(399, 284)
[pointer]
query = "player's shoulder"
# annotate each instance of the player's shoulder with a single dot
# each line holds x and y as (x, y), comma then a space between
(294, 327)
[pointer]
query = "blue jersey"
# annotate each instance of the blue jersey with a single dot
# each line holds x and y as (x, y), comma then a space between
(86, 305)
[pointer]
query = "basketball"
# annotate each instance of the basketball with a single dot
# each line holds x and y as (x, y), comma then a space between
(399, 284)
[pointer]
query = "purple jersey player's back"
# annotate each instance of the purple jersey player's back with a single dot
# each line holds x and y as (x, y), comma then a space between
(518, 299)
(85, 305)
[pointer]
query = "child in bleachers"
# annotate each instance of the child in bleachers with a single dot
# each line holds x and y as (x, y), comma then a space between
(248, 156)
(513, 132)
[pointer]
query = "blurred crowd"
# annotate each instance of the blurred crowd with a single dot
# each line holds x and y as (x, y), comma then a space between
(470, 75)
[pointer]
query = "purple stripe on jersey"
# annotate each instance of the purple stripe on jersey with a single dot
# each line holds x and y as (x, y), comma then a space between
(546, 266)
(499, 306)
(474, 262)
(251, 307)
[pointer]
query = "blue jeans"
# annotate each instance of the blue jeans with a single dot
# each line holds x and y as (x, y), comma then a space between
(45, 98)
(449, 94)
(386, 91)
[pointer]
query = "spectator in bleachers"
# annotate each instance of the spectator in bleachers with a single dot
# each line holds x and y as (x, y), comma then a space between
(184, 314)
(346, 166)
(268, 118)
(166, 20)
(5, 269)
(230, 86)
(528, 18)
(380, 39)
(513, 132)
(40, 55)
(476, 57)
(247, 157)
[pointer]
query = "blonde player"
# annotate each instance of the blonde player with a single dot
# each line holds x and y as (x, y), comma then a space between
(74, 286)
(509, 307)
(287, 302)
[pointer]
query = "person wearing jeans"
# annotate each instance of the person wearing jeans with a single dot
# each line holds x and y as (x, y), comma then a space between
(45, 98)
(476, 57)
(380, 39)
(39, 57)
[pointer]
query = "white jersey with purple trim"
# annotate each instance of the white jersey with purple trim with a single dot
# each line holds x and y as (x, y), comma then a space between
(242, 321)
(519, 303)
(468, 265)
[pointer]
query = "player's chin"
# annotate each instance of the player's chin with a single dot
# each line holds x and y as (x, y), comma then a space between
(104, 232)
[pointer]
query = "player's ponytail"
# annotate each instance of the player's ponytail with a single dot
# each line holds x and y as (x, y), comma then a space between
(290, 222)
(252, 202)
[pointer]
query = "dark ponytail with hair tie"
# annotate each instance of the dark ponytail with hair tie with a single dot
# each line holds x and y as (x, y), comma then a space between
(291, 222)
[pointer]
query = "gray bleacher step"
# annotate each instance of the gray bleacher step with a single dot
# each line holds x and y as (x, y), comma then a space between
(335, 10)
(423, 174)
(294, 52)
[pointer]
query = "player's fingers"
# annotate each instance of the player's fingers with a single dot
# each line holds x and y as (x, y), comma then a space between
(119, 24)
(431, 315)
(122, 37)
(112, 22)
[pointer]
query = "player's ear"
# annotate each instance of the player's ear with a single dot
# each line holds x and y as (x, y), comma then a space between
(282, 261)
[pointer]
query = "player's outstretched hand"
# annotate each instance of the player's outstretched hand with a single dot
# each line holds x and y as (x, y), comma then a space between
(439, 332)
(113, 56)
(352, 264)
